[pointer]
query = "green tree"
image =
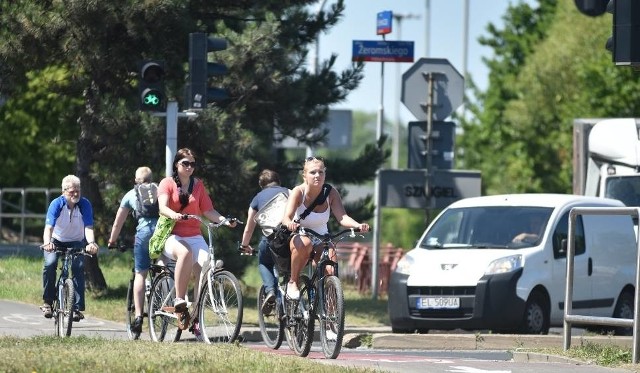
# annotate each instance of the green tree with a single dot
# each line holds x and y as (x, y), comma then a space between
(101, 44)
(521, 137)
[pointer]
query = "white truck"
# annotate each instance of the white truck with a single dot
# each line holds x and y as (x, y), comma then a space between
(606, 159)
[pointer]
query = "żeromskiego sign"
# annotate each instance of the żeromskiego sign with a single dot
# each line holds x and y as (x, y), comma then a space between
(382, 51)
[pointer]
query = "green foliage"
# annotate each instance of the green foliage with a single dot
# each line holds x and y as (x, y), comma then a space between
(39, 130)
(550, 67)
(402, 227)
(85, 56)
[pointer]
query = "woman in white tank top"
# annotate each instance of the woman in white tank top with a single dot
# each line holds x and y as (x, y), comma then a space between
(302, 196)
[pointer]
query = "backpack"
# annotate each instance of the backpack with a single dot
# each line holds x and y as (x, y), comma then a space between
(146, 200)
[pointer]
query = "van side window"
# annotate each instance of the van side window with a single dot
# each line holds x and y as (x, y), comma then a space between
(562, 233)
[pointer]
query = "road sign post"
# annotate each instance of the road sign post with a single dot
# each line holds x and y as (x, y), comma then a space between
(444, 94)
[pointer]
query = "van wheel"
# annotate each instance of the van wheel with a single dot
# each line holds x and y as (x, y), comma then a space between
(624, 310)
(536, 315)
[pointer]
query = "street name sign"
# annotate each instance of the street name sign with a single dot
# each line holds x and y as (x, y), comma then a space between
(382, 51)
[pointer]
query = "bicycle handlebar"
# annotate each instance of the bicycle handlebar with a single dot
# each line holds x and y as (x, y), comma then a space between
(65, 249)
(205, 222)
(121, 248)
(328, 237)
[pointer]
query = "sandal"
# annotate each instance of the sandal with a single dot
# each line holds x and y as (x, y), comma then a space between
(46, 310)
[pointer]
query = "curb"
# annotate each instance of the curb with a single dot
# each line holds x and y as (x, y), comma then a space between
(534, 357)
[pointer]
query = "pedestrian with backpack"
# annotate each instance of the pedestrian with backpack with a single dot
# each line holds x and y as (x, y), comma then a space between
(142, 202)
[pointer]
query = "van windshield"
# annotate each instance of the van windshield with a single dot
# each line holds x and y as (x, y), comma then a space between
(488, 227)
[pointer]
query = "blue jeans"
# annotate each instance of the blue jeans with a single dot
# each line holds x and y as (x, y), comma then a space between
(266, 267)
(141, 259)
(49, 275)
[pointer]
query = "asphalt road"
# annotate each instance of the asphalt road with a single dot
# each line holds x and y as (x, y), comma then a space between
(390, 352)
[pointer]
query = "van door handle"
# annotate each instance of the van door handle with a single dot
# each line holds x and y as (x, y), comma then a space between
(590, 265)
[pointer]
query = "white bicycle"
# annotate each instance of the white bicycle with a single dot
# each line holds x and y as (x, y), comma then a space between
(216, 316)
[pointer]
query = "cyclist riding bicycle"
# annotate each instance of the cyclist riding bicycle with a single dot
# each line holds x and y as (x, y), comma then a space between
(269, 182)
(303, 195)
(147, 217)
(69, 223)
(179, 195)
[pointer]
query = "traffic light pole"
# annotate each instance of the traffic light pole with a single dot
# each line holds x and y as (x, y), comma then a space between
(171, 148)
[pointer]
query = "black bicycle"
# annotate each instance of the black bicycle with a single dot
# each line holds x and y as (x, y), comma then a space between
(62, 307)
(130, 309)
(321, 297)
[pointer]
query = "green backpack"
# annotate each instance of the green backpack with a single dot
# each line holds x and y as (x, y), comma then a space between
(160, 235)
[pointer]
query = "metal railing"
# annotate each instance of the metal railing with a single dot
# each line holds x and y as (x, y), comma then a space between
(569, 317)
(9, 209)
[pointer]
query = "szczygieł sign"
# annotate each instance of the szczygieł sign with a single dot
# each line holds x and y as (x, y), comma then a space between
(382, 51)
(406, 188)
(384, 22)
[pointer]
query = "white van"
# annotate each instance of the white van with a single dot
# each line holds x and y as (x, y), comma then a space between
(481, 265)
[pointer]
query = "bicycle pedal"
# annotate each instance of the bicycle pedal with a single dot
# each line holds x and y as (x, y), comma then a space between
(183, 320)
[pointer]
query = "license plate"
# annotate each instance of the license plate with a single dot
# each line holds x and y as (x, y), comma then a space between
(438, 303)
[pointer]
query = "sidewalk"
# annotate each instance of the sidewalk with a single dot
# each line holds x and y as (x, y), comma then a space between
(383, 338)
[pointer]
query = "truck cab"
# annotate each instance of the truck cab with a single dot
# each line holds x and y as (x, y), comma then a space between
(607, 159)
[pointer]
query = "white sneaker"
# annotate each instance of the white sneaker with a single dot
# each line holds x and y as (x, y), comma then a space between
(293, 294)
(331, 336)
(180, 305)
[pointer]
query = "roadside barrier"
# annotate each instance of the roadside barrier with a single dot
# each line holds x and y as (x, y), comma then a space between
(571, 318)
(355, 264)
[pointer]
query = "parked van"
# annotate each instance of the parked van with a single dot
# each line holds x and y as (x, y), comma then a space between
(499, 263)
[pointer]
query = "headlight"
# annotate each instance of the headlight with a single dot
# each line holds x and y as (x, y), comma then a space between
(504, 265)
(404, 265)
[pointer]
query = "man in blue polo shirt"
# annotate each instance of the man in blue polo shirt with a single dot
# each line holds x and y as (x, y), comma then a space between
(69, 223)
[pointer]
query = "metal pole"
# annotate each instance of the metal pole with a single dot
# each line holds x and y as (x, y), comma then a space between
(379, 131)
(396, 128)
(465, 45)
(427, 35)
(635, 357)
(376, 238)
(430, 102)
(172, 136)
(568, 291)
(395, 153)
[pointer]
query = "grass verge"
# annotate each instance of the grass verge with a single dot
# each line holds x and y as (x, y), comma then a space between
(81, 354)
(21, 277)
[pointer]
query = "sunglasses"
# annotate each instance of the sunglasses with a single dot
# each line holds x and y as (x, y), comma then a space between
(187, 164)
(309, 159)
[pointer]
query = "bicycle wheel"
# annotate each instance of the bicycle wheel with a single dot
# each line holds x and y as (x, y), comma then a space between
(64, 319)
(220, 308)
(163, 323)
(331, 314)
(271, 325)
(130, 314)
(301, 319)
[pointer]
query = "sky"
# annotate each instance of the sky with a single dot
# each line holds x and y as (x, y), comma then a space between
(445, 32)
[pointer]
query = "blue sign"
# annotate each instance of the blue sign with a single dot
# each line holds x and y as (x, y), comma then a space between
(384, 22)
(382, 51)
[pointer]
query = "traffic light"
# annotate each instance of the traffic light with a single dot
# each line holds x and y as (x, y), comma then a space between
(624, 42)
(151, 94)
(442, 144)
(199, 94)
(591, 8)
